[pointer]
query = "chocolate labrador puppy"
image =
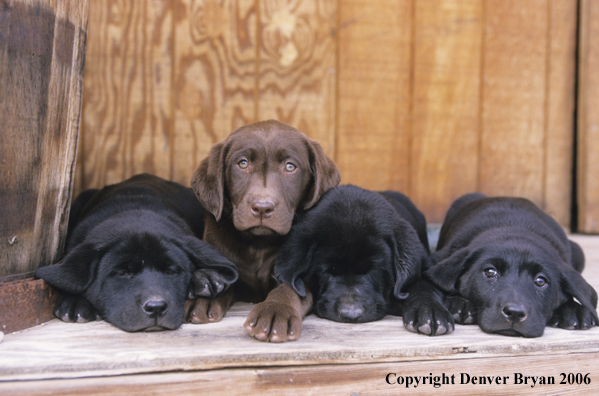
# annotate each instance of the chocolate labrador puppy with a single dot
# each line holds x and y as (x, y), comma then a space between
(130, 251)
(510, 268)
(253, 185)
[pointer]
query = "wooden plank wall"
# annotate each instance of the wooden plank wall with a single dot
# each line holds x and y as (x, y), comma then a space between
(588, 119)
(434, 98)
(42, 53)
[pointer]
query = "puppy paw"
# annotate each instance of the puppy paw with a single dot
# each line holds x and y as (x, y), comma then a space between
(572, 316)
(461, 309)
(204, 310)
(428, 317)
(206, 283)
(74, 308)
(273, 322)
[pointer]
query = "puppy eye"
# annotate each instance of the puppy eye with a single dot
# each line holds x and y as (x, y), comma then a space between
(540, 281)
(289, 167)
(171, 271)
(243, 164)
(490, 273)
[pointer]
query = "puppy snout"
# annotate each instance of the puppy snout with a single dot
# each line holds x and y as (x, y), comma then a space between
(155, 308)
(262, 207)
(351, 311)
(515, 313)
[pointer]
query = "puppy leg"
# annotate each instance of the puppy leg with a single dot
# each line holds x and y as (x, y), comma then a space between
(461, 309)
(279, 317)
(424, 311)
(74, 308)
(572, 316)
(208, 310)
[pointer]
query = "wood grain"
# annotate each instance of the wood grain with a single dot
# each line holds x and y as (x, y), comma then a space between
(446, 102)
(514, 94)
(349, 379)
(127, 112)
(559, 111)
(42, 52)
(588, 119)
(296, 70)
(215, 57)
(374, 94)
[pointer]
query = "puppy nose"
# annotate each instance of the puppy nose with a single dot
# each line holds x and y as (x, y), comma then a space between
(351, 311)
(514, 312)
(262, 208)
(155, 308)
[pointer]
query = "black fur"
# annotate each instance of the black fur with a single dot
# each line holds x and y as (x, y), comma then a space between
(130, 250)
(357, 251)
(510, 268)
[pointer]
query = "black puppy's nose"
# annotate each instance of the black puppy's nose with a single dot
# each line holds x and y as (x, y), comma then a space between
(155, 308)
(262, 208)
(514, 312)
(351, 311)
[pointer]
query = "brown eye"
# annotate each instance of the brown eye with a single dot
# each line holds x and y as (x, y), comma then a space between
(289, 167)
(490, 273)
(541, 281)
(243, 164)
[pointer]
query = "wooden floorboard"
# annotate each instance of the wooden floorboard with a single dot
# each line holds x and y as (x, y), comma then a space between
(98, 358)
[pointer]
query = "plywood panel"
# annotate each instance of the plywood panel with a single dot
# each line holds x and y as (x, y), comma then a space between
(296, 75)
(588, 119)
(42, 53)
(215, 57)
(127, 112)
(514, 94)
(374, 93)
(446, 103)
(559, 112)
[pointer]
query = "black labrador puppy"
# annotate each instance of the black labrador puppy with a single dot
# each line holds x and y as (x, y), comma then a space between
(130, 252)
(510, 268)
(357, 251)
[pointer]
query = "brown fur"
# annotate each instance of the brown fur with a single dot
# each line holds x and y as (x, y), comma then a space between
(250, 209)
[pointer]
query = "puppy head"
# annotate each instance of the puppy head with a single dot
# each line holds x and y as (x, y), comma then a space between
(262, 173)
(137, 281)
(353, 253)
(515, 283)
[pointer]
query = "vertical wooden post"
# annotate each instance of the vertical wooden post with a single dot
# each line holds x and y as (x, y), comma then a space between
(42, 52)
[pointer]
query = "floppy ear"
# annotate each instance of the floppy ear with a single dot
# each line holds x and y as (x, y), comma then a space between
(577, 257)
(409, 257)
(75, 272)
(293, 262)
(445, 273)
(574, 285)
(325, 173)
(203, 255)
(208, 180)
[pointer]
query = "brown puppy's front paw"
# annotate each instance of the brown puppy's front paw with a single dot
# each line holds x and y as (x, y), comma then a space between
(204, 310)
(273, 322)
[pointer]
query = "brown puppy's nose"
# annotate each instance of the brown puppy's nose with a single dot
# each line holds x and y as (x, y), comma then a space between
(262, 208)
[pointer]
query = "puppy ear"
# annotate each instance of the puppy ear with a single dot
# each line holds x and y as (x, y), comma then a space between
(75, 272)
(577, 256)
(446, 272)
(325, 173)
(208, 180)
(409, 257)
(574, 285)
(293, 262)
(203, 255)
